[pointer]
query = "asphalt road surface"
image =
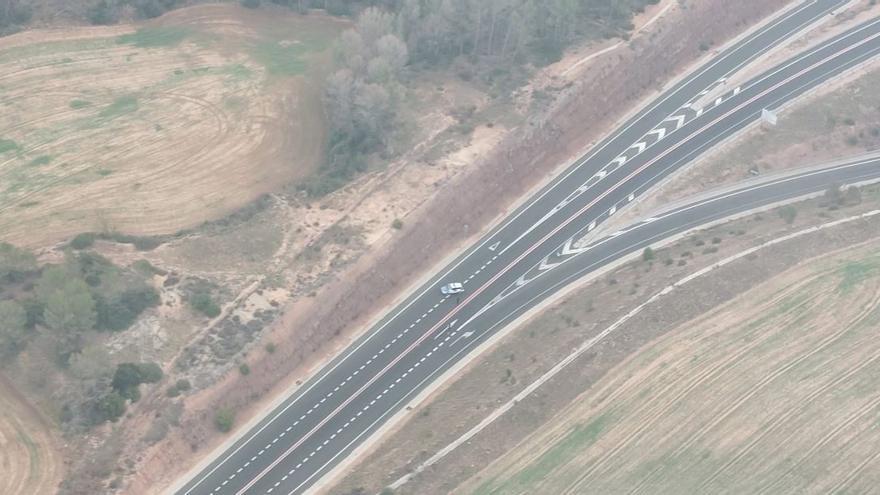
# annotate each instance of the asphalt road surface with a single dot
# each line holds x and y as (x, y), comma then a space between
(518, 263)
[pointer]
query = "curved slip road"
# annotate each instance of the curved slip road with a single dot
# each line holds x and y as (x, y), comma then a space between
(694, 213)
(336, 410)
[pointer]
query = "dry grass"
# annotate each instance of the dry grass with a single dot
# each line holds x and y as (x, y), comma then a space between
(29, 459)
(160, 128)
(774, 392)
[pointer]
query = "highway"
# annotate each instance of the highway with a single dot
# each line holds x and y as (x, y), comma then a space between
(515, 265)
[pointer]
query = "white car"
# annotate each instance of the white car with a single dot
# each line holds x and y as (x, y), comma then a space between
(452, 288)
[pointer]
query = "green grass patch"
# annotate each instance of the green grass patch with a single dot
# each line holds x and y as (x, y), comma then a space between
(235, 103)
(854, 273)
(120, 106)
(104, 172)
(282, 59)
(78, 104)
(155, 37)
(579, 438)
(8, 145)
(40, 160)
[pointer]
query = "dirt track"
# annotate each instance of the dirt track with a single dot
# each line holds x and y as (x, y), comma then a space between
(29, 460)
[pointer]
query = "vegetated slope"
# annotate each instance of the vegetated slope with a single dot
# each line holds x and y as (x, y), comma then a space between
(29, 461)
(774, 392)
(179, 121)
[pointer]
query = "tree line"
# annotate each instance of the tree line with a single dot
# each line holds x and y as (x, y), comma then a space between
(392, 37)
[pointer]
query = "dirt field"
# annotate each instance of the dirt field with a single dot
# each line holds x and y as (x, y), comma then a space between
(772, 393)
(515, 362)
(152, 128)
(29, 458)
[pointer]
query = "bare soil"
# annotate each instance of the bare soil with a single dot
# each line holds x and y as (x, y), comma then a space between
(771, 392)
(151, 131)
(495, 378)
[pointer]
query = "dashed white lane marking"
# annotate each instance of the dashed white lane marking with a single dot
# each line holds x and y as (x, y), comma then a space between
(347, 379)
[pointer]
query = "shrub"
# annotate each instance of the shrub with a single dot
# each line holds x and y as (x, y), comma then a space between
(270, 347)
(788, 213)
(144, 267)
(129, 376)
(110, 407)
(203, 303)
(853, 195)
(648, 254)
(179, 387)
(397, 224)
(150, 372)
(244, 369)
(224, 418)
(102, 13)
(83, 241)
(120, 313)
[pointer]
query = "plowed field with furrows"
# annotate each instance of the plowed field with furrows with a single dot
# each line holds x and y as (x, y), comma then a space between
(776, 392)
(153, 128)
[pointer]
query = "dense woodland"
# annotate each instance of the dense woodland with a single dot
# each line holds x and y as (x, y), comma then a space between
(485, 39)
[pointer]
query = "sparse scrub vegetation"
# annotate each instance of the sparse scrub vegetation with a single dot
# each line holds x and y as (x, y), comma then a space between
(224, 419)
(203, 303)
(788, 213)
